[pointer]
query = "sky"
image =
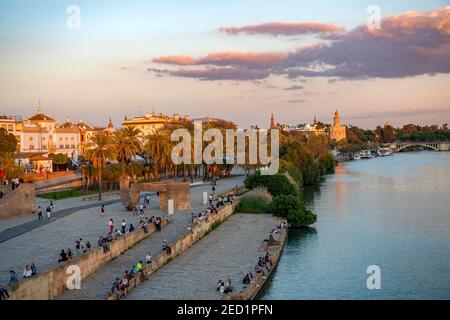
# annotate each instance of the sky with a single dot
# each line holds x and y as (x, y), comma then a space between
(237, 60)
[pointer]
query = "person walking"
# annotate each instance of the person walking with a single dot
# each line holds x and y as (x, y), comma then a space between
(49, 212)
(102, 211)
(39, 213)
(111, 226)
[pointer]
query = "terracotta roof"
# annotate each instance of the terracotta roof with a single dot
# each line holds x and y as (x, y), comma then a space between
(27, 155)
(40, 117)
(39, 158)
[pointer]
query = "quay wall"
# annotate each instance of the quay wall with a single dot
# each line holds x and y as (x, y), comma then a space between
(19, 202)
(250, 291)
(183, 243)
(48, 285)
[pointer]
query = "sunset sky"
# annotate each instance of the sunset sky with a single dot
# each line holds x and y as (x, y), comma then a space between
(236, 59)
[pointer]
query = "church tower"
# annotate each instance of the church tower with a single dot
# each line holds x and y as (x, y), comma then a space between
(272, 122)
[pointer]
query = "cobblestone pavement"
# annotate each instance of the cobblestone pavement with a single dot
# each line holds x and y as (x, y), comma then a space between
(42, 245)
(43, 203)
(230, 251)
(98, 285)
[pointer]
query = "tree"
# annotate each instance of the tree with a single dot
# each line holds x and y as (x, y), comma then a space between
(127, 146)
(8, 165)
(100, 149)
(328, 163)
(275, 184)
(8, 141)
(157, 145)
(58, 159)
(291, 208)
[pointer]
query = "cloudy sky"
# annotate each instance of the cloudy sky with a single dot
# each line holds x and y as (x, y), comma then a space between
(235, 59)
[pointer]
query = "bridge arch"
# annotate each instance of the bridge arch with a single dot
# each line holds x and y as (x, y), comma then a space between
(419, 144)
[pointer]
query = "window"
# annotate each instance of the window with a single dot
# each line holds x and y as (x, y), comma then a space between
(31, 147)
(61, 146)
(60, 138)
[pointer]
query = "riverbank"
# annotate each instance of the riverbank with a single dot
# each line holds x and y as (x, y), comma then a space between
(228, 252)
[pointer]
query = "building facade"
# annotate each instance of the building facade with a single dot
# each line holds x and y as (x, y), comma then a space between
(151, 122)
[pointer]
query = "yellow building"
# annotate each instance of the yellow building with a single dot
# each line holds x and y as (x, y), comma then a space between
(151, 122)
(338, 132)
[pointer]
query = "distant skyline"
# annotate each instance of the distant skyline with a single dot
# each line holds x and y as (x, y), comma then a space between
(237, 60)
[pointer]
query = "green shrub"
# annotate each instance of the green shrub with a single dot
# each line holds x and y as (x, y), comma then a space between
(293, 171)
(291, 208)
(311, 173)
(253, 205)
(275, 184)
(63, 194)
(328, 163)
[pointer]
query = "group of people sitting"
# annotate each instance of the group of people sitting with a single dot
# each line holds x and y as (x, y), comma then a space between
(221, 201)
(136, 270)
(29, 271)
(264, 264)
(203, 215)
(81, 247)
(124, 283)
(224, 287)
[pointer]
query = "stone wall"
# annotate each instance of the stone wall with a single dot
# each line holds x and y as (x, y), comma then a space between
(19, 202)
(250, 291)
(183, 243)
(50, 284)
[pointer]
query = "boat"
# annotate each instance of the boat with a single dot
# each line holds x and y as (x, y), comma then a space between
(384, 152)
(356, 156)
(366, 154)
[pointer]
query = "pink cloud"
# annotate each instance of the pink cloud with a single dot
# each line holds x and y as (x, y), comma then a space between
(255, 59)
(408, 45)
(285, 28)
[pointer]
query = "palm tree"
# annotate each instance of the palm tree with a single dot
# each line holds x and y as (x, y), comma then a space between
(100, 149)
(127, 145)
(157, 145)
(8, 164)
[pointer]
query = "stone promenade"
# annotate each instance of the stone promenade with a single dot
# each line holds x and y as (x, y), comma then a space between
(42, 245)
(230, 251)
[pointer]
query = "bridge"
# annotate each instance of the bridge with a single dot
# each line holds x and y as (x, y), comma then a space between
(436, 145)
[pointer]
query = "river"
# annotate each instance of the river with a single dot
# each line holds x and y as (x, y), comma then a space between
(392, 212)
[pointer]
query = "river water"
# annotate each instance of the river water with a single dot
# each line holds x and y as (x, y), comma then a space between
(392, 212)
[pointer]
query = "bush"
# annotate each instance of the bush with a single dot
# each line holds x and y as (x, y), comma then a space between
(256, 201)
(291, 208)
(253, 205)
(275, 184)
(312, 172)
(293, 171)
(58, 195)
(328, 163)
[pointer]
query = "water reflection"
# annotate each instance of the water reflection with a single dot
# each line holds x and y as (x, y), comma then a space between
(392, 212)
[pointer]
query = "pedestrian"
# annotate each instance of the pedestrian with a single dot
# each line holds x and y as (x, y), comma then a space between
(111, 226)
(102, 210)
(210, 199)
(13, 277)
(62, 256)
(88, 246)
(27, 273)
(123, 227)
(4, 294)
(39, 213)
(77, 247)
(33, 269)
(49, 212)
